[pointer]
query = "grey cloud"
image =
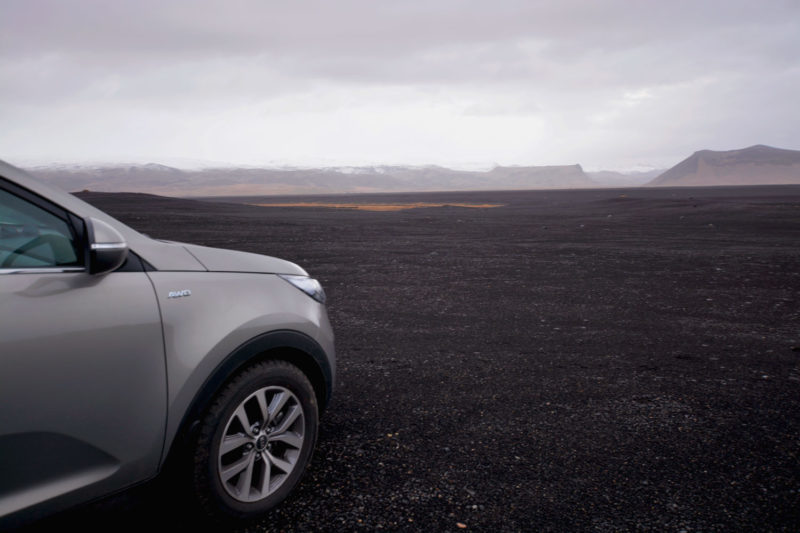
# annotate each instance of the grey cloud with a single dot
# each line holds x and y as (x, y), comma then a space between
(568, 63)
(328, 33)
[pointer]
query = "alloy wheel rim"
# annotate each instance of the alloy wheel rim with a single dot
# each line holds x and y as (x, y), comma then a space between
(261, 444)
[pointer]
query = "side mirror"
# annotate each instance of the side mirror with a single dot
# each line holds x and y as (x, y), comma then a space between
(107, 247)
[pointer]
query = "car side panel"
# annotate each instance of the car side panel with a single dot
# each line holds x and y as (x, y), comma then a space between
(207, 316)
(82, 387)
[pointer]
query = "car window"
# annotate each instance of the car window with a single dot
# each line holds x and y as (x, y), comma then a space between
(31, 237)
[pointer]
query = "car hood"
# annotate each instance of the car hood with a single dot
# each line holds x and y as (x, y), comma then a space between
(219, 260)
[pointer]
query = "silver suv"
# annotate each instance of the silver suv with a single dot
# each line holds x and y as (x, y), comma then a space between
(120, 354)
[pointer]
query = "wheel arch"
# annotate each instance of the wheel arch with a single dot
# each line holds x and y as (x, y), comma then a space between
(286, 345)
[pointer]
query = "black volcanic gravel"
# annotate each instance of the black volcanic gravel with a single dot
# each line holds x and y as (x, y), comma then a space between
(573, 361)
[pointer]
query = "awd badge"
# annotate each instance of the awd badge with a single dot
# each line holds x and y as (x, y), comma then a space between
(179, 294)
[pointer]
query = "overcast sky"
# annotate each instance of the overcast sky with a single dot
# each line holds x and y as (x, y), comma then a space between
(612, 85)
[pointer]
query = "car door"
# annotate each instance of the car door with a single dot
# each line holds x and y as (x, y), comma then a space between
(82, 370)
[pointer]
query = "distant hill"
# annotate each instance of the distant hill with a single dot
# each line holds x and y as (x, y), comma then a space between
(610, 178)
(163, 180)
(756, 165)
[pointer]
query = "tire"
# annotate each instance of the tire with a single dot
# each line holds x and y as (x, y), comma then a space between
(240, 472)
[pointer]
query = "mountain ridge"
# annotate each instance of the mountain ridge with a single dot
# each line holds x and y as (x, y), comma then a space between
(160, 179)
(755, 165)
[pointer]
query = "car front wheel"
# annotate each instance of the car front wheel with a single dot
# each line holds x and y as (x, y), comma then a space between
(255, 441)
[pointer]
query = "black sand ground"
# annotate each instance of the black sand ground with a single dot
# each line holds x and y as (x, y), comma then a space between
(577, 360)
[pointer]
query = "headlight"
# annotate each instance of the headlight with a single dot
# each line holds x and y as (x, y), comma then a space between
(308, 285)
